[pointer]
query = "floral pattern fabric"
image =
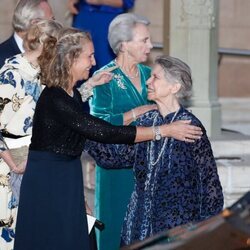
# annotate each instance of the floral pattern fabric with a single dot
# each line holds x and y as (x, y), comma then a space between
(182, 186)
(20, 89)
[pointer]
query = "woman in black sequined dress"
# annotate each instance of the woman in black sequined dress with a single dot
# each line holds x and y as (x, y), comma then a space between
(51, 210)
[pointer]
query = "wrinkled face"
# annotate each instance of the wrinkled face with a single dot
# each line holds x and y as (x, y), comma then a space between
(48, 13)
(140, 46)
(82, 65)
(159, 87)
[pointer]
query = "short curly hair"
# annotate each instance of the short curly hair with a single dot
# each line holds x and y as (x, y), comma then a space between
(176, 71)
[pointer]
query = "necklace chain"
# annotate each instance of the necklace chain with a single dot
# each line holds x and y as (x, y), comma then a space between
(129, 76)
(152, 163)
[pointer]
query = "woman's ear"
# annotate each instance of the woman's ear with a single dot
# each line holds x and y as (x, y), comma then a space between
(176, 87)
(123, 47)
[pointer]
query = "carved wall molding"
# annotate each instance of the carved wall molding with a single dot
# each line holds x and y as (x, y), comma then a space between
(196, 14)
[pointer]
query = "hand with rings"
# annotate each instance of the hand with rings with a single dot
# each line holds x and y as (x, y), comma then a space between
(184, 131)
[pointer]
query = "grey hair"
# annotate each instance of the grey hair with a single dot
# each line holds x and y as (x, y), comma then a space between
(176, 71)
(25, 12)
(121, 29)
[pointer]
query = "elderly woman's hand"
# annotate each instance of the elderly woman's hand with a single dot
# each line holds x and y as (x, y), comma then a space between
(71, 6)
(133, 114)
(144, 109)
(182, 130)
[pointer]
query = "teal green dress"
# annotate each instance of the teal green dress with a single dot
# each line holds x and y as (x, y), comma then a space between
(114, 186)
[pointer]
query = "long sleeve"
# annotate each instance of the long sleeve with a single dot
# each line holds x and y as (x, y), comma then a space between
(111, 155)
(211, 190)
(102, 105)
(110, 101)
(61, 126)
(20, 89)
(91, 127)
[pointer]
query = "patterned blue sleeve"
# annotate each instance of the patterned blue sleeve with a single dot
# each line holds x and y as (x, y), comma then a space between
(211, 190)
(3, 145)
(128, 4)
(111, 155)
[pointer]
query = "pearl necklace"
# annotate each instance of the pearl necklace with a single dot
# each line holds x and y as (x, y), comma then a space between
(131, 77)
(128, 76)
(151, 161)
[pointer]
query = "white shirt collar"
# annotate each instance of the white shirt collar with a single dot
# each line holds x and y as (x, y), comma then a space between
(19, 42)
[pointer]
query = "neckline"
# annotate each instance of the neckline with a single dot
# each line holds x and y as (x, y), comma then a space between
(137, 74)
(151, 160)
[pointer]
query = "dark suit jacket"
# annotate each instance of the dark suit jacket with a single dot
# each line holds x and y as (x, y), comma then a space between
(8, 49)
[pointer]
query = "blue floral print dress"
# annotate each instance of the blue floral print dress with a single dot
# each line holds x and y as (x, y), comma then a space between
(20, 89)
(176, 182)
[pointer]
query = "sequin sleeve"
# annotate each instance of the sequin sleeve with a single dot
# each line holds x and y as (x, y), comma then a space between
(111, 155)
(91, 127)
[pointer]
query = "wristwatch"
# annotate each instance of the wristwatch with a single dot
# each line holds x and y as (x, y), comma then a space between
(157, 133)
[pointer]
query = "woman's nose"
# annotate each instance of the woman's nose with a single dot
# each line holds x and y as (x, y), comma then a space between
(150, 45)
(93, 61)
(148, 82)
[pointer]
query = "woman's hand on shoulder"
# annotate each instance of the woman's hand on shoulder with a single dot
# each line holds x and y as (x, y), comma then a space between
(182, 130)
(144, 109)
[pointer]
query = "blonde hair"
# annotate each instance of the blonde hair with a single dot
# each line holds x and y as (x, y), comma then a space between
(39, 32)
(58, 56)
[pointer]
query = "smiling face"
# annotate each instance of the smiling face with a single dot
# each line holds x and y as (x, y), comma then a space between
(82, 65)
(159, 88)
(140, 46)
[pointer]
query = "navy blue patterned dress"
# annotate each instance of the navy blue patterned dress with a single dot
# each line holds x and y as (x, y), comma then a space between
(175, 182)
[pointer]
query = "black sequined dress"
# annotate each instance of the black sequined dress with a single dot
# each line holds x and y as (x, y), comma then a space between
(51, 212)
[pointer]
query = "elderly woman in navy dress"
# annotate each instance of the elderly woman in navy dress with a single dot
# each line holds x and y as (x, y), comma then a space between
(176, 182)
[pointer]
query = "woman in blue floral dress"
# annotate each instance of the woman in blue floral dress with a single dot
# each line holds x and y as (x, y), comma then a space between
(176, 182)
(20, 89)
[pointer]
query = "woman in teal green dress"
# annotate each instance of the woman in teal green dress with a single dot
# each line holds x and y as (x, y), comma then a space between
(113, 102)
(120, 102)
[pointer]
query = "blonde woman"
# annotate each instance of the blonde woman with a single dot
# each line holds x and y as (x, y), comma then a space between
(20, 89)
(52, 181)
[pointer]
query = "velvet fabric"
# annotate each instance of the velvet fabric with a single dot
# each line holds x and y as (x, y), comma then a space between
(114, 187)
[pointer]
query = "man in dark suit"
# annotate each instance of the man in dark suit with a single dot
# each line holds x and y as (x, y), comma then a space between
(26, 12)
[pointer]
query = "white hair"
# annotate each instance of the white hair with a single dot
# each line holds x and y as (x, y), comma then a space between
(121, 29)
(25, 12)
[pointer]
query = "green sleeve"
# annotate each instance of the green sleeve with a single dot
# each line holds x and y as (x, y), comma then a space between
(101, 105)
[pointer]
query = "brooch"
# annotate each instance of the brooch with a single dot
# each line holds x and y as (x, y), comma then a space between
(119, 79)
